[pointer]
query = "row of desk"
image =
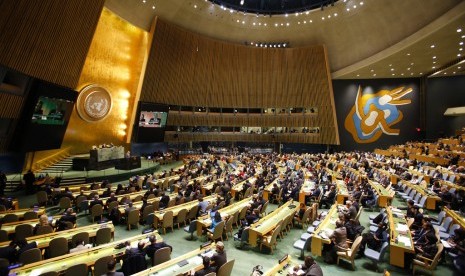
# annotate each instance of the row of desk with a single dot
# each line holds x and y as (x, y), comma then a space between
(88, 257)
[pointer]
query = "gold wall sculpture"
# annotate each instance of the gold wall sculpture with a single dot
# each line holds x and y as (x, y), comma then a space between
(188, 69)
(114, 62)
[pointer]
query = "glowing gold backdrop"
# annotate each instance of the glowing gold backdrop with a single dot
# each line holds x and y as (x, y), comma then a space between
(114, 62)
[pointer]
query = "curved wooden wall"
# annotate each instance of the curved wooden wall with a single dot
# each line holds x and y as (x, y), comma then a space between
(191, 70)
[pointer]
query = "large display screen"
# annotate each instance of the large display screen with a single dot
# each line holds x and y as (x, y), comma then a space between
(51, 111)
(44, 117)
(152, 118)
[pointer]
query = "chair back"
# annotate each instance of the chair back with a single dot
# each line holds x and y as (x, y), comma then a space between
(101, 265)
(417, 197)
(58, 247)
(96, 211)
(65, 202)
(228, 227)
(245, 235)
(264, 207)
(171, 203)
(422, 201)
(30, 256)
(355, 247)
(112, 205)
(161, 255)
(45, 229)
(168, 219)
(437, 256)
(447, 223)
(359, 213)
(181, 217)
(133, 217)
(226, 269)
(82, 236)
(137, 198)
(156, 205)
(193, 226)
(193, 212)
(441, 216)
(149, 209)
(23, 231)
(3, 235)
(42, 198)
(453, 228)
(103, 236)
(218, 231)
(77, 270)
(80, 199)
(383, 250)
(30, 215)
(243, 213)
(10, 218)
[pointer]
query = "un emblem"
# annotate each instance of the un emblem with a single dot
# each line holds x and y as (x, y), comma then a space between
(94, 103)
(375, 114)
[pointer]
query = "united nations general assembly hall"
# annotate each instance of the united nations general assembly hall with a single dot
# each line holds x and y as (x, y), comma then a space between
(232, 137)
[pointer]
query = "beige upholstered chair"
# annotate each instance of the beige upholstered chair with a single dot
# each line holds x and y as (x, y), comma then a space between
(270, 240)
(217, 232)
(427, 264)
(226, 269)
(167, 221)
(350, 253)
(161, 255)
(133, 219)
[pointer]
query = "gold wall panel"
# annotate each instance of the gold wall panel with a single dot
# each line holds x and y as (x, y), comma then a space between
(10, 108)
(188, 69)
(115, 62)
(48, 39)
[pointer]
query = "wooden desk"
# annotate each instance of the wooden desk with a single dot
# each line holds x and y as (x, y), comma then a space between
(342, 192)
(238, 187)
(205, 221)
(306, 190)
(44, 240)
(88, 257)
(20, 212)
(10, 227)
(269, 187)
(328, 223)
(171, 267)
(187, 206)
(288, 262)
(384, 196)
(163, 182)
(266, 224)
(138, 204)
(131, 196)
(429, 159)
(400, 241)
(209, 186)
(431, 197)
(458, 219)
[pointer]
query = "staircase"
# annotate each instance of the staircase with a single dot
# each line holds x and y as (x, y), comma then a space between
(63, 165)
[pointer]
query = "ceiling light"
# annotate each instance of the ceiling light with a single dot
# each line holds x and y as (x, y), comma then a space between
(461, 49)
(243, 22)
(254, 23)
(434, 57)
(374, 75)
(361, 3)
(144, 1)
(372, 70)
(453, 72)
(358, 75)
(305, 22)
(348, 9)
(408, 69)
(392, 69)
(459, 30)
(265, 24)
(411, 63)
(355, 6)
(237, 20)
(408, 54)
(287, 24)
(411, 74)
(153, 7)
(461, 43)
(276, 24)
(393, 74)
(335, 14)
(434, 67)
(286, 15)
(195, 6)
(463, 36)
(445, 73)
(434, 62)
(402, 74)
(459, 55)
(432, 46)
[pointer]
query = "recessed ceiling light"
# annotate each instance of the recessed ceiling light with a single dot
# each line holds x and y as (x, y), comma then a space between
(461, 43)
(463, 36)
(432, 46)
(393, 74)
(434, 62)
(453, 72)
(153, 7)
(390, 65)
(286, 15)
(402, 74)
(408, 54)
(254, 23)
(434, 67)
(237, 20)
(460, 67)
(195, 6)
(287, 24)
(411, 74)
(411, 63)
(361, 3)
(392, 69)
(461, 49)
(374, 75)
(335, 14)
(459, 30)
(358, 75)
(445, 73)
(459, 55)
(434, 57)
(348, 9)
(372, 70)
(408, 69)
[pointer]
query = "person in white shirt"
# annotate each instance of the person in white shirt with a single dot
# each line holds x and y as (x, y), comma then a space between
(80, 246)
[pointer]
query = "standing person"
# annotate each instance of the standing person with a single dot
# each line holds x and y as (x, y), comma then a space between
(3, 180)
(29, 179)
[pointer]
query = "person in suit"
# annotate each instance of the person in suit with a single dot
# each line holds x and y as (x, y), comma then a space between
(134, 260)
(154, 246)
(23, 245)
(310, 268)
(338, 242)
(205, 270)
(328, 199)
(164, 200)
(219, 258)
(95, 201)
(111, 266)
(9, 252)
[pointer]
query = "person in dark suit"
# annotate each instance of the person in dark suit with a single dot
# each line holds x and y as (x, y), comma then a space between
(135, 259)
(24, 246)
(205, 270)
(164, 200)
(154, 246)
(111, 266)
(219, 258)
(9, 252)
(95, 201)
(329, 198)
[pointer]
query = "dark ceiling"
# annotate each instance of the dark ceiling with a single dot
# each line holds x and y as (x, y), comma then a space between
(272, 7)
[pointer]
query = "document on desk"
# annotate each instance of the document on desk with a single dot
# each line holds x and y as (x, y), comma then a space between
(446, 244)
(405, 240)
(402, 227)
